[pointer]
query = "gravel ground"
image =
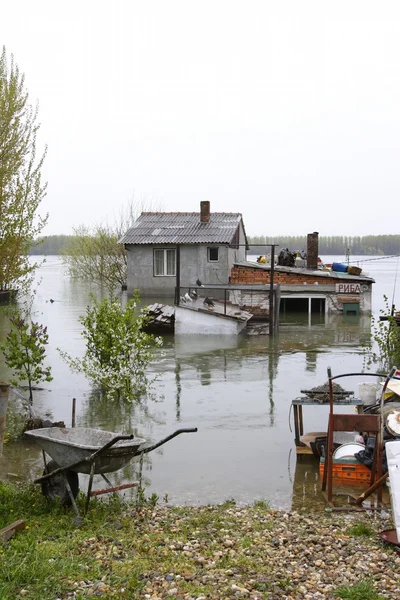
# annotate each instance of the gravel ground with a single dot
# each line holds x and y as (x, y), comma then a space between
(228, 552)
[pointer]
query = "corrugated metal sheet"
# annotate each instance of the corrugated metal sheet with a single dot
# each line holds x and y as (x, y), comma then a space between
(182, 228)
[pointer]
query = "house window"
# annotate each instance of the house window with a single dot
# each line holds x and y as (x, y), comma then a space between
(213, 254)
(164, 262)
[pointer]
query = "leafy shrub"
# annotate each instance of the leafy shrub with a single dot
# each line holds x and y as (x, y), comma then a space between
(118, 350)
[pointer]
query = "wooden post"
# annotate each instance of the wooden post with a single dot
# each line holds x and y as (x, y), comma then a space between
(4, 396)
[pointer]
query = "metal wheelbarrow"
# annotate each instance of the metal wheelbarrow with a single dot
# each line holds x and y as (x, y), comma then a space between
(90, 451)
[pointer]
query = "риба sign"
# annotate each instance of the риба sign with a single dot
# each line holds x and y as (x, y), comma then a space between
(348, 288)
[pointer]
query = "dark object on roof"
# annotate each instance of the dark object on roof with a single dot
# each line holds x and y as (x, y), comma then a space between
(208, 302)
(198, 283)
(184, 228)
(286, 258)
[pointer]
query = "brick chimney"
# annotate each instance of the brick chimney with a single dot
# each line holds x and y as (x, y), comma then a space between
(312, 250)
(204, 211)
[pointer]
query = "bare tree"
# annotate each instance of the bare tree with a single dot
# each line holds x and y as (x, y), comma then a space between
(95, 254)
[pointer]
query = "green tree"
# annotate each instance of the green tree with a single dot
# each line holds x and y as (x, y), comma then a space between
(383, 348)
(117, 349)
(21, 187)
(24, 352)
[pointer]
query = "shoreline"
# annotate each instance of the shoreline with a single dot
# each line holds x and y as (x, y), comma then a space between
(215, 552)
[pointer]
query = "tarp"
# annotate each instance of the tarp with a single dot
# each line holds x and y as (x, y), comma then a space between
(393, 461)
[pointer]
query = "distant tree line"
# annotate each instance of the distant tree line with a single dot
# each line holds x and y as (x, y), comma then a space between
(51, 244)
(382, 245)
(370, 244)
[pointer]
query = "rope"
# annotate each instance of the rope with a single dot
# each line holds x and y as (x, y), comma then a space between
(378, 258)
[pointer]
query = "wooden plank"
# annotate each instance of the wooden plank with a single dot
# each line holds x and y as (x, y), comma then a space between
(304, 450)
(10, 530)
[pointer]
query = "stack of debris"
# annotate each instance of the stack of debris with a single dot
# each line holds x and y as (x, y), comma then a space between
(161, 317)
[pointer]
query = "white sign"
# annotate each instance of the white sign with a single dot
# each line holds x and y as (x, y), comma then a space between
(348, 288)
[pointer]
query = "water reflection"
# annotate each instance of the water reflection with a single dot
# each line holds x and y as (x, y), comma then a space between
(236, 390)
(307, 496)
(178, 390)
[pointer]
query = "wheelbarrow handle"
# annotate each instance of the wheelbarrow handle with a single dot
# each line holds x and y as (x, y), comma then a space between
(110, 443)
(169, 437)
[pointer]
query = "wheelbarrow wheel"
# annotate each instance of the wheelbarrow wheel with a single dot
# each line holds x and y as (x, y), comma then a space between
(54, 488)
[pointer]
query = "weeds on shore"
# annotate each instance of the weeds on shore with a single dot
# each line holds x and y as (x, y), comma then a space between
(361, 529)
(364, 590)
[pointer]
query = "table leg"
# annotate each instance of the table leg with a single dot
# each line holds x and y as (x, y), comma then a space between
(301, 420)
(296, 425)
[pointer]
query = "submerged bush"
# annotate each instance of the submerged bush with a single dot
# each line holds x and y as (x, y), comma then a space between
(118, 350)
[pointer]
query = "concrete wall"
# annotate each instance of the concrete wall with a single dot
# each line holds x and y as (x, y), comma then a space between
(257, 302)
(190, 321)
(194, 265)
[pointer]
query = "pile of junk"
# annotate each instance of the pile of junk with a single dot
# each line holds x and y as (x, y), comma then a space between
(371, 453)
(359, 445)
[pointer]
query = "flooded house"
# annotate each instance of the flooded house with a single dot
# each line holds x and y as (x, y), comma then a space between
(170, 255)
(164, 247)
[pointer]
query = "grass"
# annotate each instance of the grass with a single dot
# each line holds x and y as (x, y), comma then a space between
(364, 590)
(262, 504)
(361, 529)
(123, 551)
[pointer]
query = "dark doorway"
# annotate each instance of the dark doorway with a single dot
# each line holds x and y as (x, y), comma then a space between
(302, 305)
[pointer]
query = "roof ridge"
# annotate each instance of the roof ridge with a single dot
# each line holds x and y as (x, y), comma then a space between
(187, 213)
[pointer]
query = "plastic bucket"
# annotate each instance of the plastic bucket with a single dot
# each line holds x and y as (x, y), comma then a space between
(367, 393)
(339, 267)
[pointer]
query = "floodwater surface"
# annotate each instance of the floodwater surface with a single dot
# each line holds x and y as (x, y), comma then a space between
(236, 390)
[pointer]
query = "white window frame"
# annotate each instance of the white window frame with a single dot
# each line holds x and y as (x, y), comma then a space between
(165, 262)
(209, 248)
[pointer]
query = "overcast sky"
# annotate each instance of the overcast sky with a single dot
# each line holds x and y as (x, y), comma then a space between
(285, 111)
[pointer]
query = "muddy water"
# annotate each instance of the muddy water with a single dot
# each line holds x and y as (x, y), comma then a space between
(237, 391)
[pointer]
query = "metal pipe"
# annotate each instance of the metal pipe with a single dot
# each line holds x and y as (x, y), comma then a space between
(271, 292)
(169, 437)
(178, 275)
(73, 412)
(330, 437)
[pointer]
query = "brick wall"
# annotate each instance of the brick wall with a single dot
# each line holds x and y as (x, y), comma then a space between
(250, 276)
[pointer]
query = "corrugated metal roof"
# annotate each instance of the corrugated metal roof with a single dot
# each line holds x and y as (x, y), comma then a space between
(182, 228)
